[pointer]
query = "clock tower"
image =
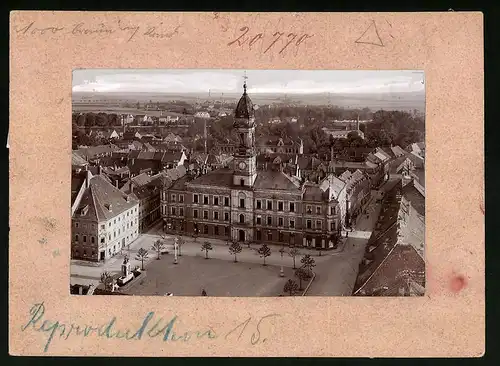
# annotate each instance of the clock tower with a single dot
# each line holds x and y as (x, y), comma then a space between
(245, 167)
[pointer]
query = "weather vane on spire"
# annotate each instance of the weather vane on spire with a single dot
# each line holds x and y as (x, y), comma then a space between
(245, 77)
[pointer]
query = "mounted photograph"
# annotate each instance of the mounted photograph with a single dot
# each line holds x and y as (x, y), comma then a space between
(248, 183)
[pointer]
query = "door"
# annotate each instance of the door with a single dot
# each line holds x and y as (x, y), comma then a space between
(242, 235)
(102, 254)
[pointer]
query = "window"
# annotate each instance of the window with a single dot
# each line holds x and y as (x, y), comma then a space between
(269, 220)
(173, 211)
(259, 204)
(318, 210)
(109, 225)
(292, 224)
(109, 251)
(181, 198)
(181, 211)
(195, 214)
(332, 210)
(85, 238)
(226, 201)
(258, 220)
(195, 198)
(242, 203)
(103, 227)
(242, 182)
(318, 224)
(216, 215)
(332, 226)
(280, 206)
(216, 201)
(114, 221)
(292, 207)
(205, 215)
(242, 219)
(205, 229)
(269, 236)
(109, 237)
(309, 224)
(280, 221)
(259, 235)
(309, 210)
(269, 205)
(205, 200)
(77, 238)
(103, 239)
(172, 197)
(226, 216)
(92, 240)
(216, 230)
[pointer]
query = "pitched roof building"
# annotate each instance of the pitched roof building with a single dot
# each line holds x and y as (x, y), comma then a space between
(247, 204)
(104, 220)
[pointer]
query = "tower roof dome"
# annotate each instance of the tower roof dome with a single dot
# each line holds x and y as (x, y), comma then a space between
(244, 109)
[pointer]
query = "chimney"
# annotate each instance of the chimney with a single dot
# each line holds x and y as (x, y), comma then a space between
(99, 169)
(357, 123)
(116, 183)
(331, 153)
(87, 179)
(80, 290)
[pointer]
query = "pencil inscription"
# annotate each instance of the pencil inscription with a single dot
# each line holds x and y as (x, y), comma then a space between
(278, 40)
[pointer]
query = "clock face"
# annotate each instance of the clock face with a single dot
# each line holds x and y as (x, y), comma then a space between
(242, 165)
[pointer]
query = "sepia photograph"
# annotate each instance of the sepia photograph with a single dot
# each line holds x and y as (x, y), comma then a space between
(248, 183)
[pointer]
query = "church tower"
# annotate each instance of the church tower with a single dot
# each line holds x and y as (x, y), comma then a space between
(245, 167)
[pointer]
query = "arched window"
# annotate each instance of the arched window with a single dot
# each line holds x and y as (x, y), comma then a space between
(242, 218)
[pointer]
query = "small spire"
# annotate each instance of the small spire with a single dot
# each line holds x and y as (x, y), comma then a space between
(245, 77)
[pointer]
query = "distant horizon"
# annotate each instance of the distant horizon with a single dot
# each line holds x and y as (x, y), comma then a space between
(264, 82)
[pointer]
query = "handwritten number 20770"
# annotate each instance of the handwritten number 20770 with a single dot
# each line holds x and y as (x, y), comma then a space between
(290, 39)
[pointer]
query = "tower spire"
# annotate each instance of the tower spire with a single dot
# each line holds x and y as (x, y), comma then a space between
(245, 77)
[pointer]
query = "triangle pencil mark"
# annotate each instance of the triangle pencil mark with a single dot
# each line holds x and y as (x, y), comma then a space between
(371, 36)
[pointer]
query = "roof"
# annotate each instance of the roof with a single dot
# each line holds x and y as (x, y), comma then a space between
(77, 159)
(308, 163)
(397, 150)
(314, 193)
(401, 272)
(419, 174)
(244, 108)
(146, 155)
(93, 151)
(180, 184)
(275, 140)
(102, 201)
(77, 179)
(217, 178)
(416, 199)
(270, 179)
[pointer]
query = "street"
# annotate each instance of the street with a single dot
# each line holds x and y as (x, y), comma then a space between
(335, 271)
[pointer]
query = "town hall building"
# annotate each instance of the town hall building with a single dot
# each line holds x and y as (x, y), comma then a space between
(250, 205)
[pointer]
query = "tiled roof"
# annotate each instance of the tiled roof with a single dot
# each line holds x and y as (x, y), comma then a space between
(415, 197)
(92, 151)
(180, 184)
(146, 155)
(77, 159)
(397, 150)
(175, 173)
(97, 198)
(217, 178)
(395, 276)
(420, 175)
(314, 193)
(270, 179)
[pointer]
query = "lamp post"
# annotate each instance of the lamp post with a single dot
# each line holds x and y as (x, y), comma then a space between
(176, 248)
(282, 273)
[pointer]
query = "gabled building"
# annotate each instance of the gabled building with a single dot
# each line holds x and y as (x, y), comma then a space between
(281, 145)
(104, 220)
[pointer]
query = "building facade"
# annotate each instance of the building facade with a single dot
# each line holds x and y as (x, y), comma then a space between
(248, 205)
(105, 221)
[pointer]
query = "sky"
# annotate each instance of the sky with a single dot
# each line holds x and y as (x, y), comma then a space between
(258, 81)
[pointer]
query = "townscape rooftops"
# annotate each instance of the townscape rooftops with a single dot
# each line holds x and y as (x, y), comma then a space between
(92, 151)
(415, 197)
(276, 141)
(419, 173)
(102, 201)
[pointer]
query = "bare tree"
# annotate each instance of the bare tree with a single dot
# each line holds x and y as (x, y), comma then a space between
(206, 246)
(180, 243)
(264, 252)
(158, 246)
(235, 249)
(142, 254)
(294, 252)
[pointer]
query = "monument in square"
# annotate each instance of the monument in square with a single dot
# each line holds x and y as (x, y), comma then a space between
(127, 275)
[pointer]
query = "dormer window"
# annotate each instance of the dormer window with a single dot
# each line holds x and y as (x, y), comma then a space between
(85, 210)
(108, 206)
